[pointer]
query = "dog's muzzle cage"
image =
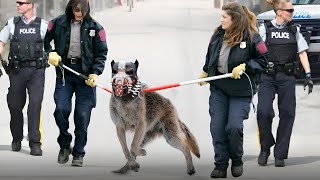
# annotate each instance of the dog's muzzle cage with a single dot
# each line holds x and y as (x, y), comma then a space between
(121, 84)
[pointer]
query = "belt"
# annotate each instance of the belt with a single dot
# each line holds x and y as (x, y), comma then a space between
(279, 67)
(74, 61)
(28, 64)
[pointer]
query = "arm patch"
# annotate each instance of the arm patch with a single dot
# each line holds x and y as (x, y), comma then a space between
(50, 26)
(261, 47)
(102, 35)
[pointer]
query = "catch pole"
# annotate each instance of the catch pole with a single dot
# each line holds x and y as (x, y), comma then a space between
(82, 76)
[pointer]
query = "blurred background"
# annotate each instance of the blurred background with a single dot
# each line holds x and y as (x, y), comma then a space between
(47, 9)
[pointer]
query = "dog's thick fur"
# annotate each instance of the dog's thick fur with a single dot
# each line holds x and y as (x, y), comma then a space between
(148, 116)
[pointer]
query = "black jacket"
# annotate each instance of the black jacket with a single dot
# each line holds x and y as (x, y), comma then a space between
(254, 56)
(93, 46)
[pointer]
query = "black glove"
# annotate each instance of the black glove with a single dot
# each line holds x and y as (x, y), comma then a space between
(308, 82)
(2, 65)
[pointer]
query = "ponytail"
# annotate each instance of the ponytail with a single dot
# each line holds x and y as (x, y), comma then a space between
(252, 21)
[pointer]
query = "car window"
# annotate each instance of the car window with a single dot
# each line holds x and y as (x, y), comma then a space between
(305, 1)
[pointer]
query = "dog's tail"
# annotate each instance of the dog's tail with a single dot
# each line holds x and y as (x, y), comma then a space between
(191, 140)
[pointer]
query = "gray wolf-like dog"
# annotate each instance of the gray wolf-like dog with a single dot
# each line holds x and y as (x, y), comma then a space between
(148, 115)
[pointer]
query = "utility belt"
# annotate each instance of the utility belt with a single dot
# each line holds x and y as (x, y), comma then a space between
(290, 68)
(15, 65)
(73, 61)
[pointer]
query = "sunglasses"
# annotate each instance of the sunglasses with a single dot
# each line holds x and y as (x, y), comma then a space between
(22, 3)
(288, 10)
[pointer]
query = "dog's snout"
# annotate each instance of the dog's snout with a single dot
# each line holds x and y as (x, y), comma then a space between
(120, 81)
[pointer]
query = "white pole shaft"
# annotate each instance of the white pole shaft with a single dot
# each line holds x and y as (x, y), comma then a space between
(206, 79)
(71, 70)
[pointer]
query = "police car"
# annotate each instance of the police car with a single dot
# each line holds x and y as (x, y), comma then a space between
(307, 14)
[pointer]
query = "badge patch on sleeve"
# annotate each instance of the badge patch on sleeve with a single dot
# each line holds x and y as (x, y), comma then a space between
(262, 47)
(50, 25)
(102, 35)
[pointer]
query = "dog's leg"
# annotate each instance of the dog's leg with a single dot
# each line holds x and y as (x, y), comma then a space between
(138, 137)
(122, 139)
(175, 137)
(151, 135)
(131, 164)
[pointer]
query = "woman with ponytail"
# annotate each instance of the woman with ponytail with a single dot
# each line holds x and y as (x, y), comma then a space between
(285, 43)
(235, 47)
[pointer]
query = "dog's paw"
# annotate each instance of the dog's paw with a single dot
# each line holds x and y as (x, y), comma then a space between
(191, 171)
(139, 152)
(135, 167)
(143, 152)
(123, 170)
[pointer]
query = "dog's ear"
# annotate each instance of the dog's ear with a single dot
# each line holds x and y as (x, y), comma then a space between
(113, 67)
(112, 63)
(137, 64)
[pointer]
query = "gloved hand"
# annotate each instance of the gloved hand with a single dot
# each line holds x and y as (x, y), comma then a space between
(308, 82)
(92, 81)
(54, 58)
(203, 75)
(236, 71)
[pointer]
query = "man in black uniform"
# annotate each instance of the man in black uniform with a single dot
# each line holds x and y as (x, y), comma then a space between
(80, 43)
(26, 72)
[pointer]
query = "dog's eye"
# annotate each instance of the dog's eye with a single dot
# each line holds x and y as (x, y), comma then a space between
(129, 71)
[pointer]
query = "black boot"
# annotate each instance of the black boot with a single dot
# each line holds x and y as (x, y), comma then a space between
(35, 150)
(77, 161)
(263, 158)
(63, 156)
(279, 163)
(16, 146)
(237, 168)
(219, 172)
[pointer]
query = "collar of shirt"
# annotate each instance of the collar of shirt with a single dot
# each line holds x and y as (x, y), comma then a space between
(75, 22)
(25, 20)
(274, 22)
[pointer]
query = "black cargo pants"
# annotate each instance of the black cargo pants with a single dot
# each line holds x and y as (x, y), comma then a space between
(284, 85)
(29, 80)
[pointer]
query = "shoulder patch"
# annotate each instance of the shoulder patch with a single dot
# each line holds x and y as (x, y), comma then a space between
(261, 47)
(102, 35)
(50, 26)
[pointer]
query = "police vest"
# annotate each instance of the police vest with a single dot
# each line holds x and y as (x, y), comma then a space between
(26, 43)
(281, 43)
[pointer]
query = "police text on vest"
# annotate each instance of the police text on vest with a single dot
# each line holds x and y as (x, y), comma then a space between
(280, 35)
(28, 31)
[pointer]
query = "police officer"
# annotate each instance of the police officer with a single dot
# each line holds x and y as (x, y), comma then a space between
(235, 46)
(283, 40)
(80, 43)
(26, 71)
